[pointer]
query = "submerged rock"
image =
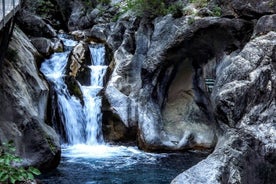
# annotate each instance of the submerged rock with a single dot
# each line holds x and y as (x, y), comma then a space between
(24, 96)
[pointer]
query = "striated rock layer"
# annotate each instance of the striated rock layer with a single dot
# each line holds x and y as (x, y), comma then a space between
(159, 74)
(244, 100)
(24, 96)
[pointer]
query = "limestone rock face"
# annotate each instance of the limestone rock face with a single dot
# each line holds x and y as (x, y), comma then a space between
(246, 8)
(159, 82)
(85, 16)
(24, 96)
(244, 103)
(34, 26)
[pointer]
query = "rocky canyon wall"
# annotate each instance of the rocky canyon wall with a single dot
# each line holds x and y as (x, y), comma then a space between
(24, 98)
(158, 92)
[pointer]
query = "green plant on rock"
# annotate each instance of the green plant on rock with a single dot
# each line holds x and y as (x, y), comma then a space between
(152, 8)
(146, 8)
(272, 3)
(191, 20)
(216, 11)
(104, 2)
(175, 9)
(199, 3)
(10, 172)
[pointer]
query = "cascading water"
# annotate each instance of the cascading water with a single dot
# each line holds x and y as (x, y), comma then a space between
(81, 122)
(86, 158)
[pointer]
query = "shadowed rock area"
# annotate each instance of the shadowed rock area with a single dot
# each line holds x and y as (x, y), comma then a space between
(24, 96)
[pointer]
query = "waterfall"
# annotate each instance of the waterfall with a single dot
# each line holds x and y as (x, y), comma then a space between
(82, 123)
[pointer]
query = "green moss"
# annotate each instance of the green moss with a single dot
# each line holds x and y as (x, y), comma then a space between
(51, 144)
(74, 88)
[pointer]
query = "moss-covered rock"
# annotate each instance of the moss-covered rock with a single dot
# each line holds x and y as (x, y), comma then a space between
(74, 88)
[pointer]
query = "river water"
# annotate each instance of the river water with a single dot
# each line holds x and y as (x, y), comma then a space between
(86, 158)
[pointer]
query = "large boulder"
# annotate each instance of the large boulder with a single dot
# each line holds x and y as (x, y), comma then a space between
(265, 24)
(24, 96)
(77, 70)
(78, 62)
(46, 46)
(157, 83)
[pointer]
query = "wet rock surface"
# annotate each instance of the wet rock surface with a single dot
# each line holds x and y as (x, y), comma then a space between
(24, 96)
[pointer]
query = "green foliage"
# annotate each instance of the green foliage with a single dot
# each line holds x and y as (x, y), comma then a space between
(199, 3)
(175, 8)
(151, 8)
(146, 8)
(272, 3)
(104, 2)
(9, 171)
(191, 20)
(216, 11)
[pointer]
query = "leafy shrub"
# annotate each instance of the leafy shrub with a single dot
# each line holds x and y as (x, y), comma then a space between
(199, 3)
(152, 8)
(146, 8)
(216, 11)
(9, 171)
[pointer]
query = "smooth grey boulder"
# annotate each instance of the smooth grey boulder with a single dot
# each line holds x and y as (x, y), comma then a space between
(24, 98)
(265, 24)
(46, 46)
(244, 103)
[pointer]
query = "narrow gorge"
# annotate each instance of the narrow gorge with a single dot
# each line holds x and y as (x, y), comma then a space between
(108, 92)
